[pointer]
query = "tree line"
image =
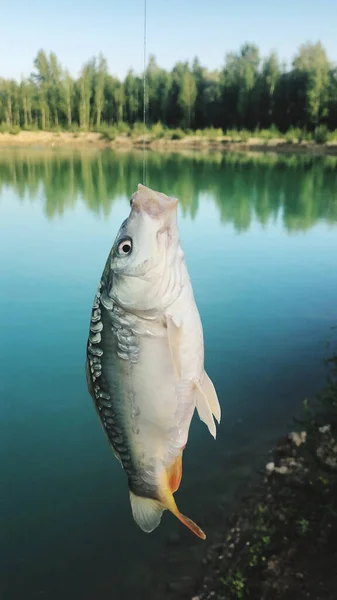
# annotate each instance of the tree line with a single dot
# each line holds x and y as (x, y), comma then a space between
(248, 92)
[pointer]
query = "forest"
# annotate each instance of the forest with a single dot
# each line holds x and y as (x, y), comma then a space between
(249, 92)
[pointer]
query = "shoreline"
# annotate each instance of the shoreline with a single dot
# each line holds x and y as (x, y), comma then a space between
(49, 139)
(280, 539)
(280, 543)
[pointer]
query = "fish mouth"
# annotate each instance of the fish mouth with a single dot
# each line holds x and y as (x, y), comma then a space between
(155, 204)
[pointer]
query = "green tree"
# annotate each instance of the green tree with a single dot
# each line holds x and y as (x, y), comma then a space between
(119, 100)
(132, 97)
(86, 92)
(245, 93)
(55, 88)
(332, 98)
(187, 97)
(68, 95)
(41, 77)
(101, 74)
(27, 90)
(312, 61)
(270, 74)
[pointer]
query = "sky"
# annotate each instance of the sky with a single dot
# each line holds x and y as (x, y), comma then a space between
(176, 30)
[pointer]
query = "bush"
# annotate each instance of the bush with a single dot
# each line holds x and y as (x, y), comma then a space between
(321, 134)
(177, 134)
(74, 128)
(138, 129)
(158, 130)
(233, 134)
(268, 134)
(294, 134)
(245, 135)
(108, 134)
(31, 127)
(122, 127)
(212, 133)
(12, 129)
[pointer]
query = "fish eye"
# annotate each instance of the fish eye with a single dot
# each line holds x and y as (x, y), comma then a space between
(124, 247)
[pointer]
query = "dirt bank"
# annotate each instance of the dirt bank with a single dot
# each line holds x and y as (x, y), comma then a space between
(282, 542)
(82, 139)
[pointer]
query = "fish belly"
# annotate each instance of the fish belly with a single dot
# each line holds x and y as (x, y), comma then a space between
(139, 408)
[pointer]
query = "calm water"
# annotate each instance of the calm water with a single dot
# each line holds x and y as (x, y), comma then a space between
(260, 239)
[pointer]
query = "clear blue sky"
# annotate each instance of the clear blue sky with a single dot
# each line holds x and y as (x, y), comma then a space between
(177, 29)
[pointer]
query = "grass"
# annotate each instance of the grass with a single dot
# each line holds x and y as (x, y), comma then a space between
(158, 131)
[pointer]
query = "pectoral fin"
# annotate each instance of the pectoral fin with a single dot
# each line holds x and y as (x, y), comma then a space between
(212, 397)
(203, 409)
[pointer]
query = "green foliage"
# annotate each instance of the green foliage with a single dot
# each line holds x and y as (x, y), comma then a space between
(158, 130)
(176, 134)
(107, 133)
(247, 94)
(293, 135)
(303, 526)
(12, 129)
(138, 129)
(321, 134)
(234, 584)
(212, 133)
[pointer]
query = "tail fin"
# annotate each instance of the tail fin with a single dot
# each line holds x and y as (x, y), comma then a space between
(146, 512)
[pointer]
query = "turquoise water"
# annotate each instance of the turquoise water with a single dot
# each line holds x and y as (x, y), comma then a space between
(260, 240)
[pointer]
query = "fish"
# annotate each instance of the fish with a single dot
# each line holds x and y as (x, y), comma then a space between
(145, 357)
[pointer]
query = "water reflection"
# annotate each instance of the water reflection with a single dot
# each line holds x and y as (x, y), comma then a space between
(301, 189)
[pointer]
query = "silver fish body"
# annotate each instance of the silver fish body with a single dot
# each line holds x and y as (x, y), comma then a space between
(145, 357)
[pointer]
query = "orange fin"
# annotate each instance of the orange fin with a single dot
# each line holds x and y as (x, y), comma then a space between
(190, 524)
(167, 501)
(174, 474)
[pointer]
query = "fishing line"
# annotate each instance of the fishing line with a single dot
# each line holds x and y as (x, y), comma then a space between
(144, 98)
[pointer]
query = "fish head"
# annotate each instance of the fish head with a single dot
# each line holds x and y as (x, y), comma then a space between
(146, 253)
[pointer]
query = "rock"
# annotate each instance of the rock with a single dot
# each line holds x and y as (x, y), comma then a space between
(325, 429)
(272, 566)
(282, 470)
(270, 467)
(327, 450)
(298, 438)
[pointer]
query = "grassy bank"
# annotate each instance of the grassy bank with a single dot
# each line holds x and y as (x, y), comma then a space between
(282, 541)
(159, 137)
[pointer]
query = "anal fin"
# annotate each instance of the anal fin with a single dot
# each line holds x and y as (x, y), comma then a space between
(146, 512)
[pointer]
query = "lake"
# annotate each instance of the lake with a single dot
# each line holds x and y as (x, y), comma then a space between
(259, 233)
